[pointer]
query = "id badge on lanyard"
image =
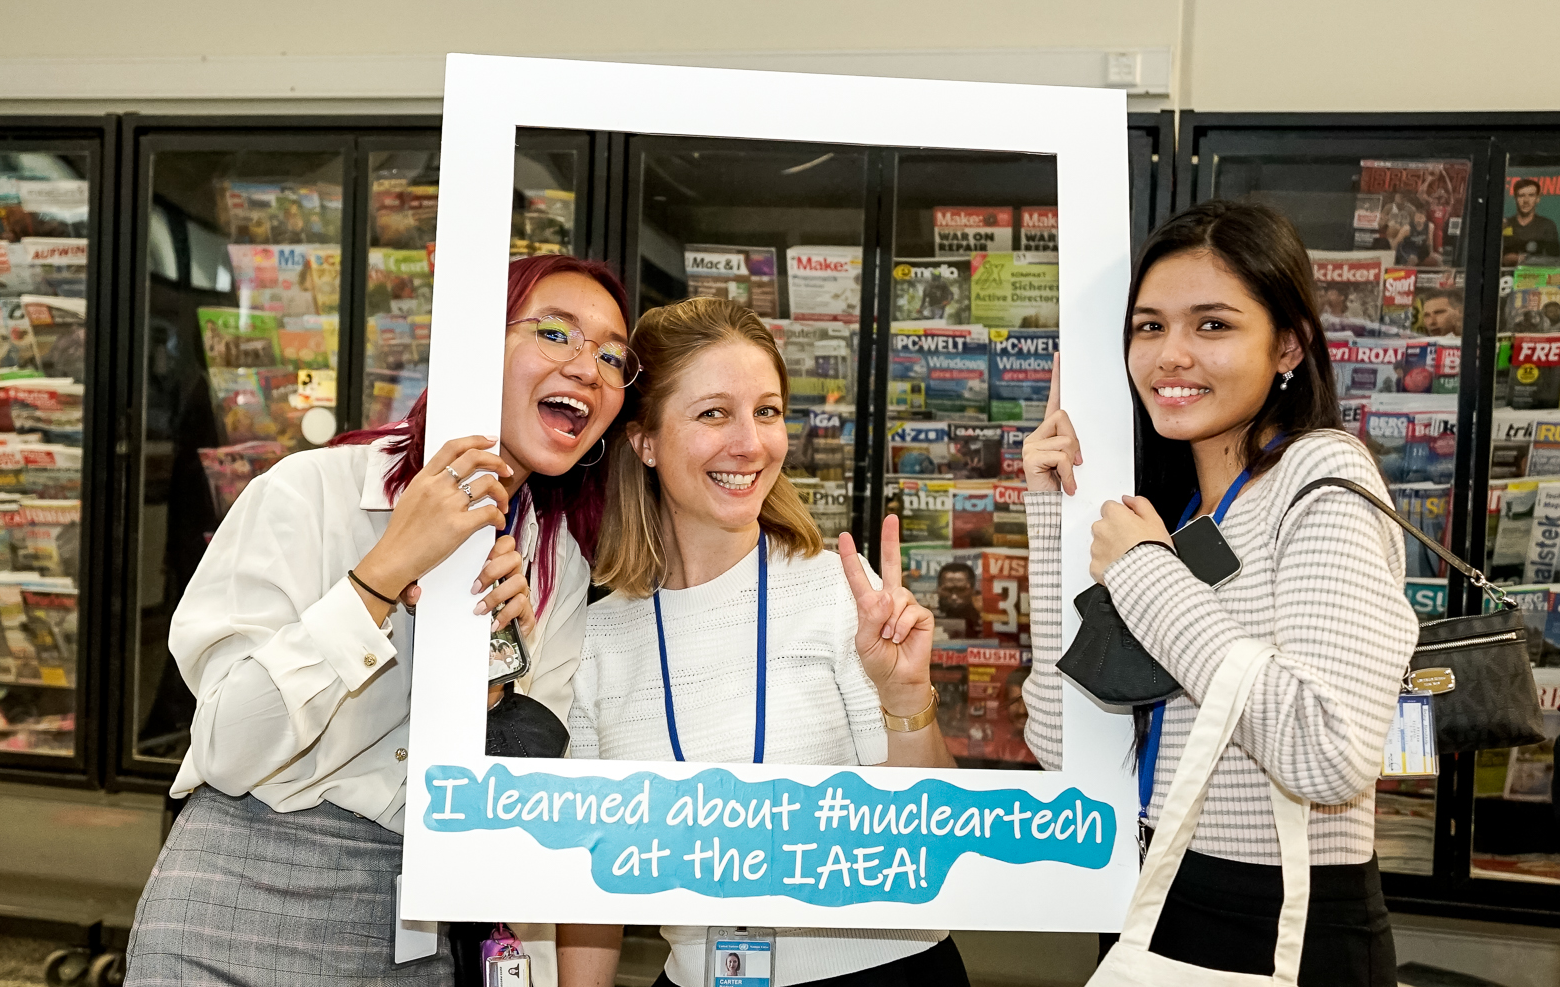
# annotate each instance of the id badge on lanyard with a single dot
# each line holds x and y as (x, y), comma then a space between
(1410, 751)
(739, 957)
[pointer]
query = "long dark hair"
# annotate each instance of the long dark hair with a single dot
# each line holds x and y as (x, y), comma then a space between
(574, 499)
(1259, 246)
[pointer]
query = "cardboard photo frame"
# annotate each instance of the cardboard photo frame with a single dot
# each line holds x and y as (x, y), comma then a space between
(657, 842)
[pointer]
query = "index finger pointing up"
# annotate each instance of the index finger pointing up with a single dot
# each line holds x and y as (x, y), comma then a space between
(854, 574)
(1053, 399)
(890, 557)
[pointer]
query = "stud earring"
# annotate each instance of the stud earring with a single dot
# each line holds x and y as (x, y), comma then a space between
(650, 461)
(1289, 375)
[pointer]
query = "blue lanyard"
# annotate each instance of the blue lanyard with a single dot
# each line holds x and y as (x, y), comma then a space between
(763, 649)
(1157, 718)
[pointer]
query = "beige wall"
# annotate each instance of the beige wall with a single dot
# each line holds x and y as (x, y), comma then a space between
(1229, 54)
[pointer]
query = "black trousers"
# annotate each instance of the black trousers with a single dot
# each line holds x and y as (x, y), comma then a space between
(1223, 915)
(940, 966)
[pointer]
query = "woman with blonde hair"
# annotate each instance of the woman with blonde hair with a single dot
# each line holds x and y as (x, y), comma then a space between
(730, 634)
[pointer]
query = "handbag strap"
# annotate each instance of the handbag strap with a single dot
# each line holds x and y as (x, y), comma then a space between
(1220, 710)
(1476, 577)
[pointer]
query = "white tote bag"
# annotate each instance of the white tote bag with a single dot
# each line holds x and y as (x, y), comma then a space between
(1129, 963)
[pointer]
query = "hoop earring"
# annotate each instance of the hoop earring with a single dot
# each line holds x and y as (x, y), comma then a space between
(1289, 375)
(603, 452)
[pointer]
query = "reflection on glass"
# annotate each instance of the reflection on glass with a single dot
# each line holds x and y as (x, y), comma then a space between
(778, 229)
(44, 212)
(1388, 254)
(403, 209)
(241, 343)
(973, 340)
(1514, 832)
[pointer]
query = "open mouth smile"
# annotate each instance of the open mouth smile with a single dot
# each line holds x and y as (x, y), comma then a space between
(734, 481)
(563, 414)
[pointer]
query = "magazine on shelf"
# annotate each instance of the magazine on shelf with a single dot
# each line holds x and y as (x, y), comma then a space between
(1544, 457)
(59, 332)
(945, 367)
(824, 283)
(965, 230)
(1534, 380)
(1427, 596)
(1413, 446)
(919, 448)
(1528, 226)
(1365, 366)
(1022, 361)
(1397, 300)
(1511, 442)
(819, 360)
(975, 450)
(1544, 537)
(16, 272)
(229, 469)
(824, 444)
(1514, 526)
(1014, 290)
(55, 208)
(1013, 436)
(1349, 289)
(325, 278)
(292, 280)
(238, 338)
(1037, 231)
(932, 289)
(925, 509)
(1421, 208)
(399, 282)
(549, 220)
(971, 515)
(745, 275)
(1531, 300)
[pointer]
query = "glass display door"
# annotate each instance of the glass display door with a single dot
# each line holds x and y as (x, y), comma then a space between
(971, 302)
(1514, 837)
(1393, 233)
(51, 561)
(779, 228)
(238, 286)
(551, 215)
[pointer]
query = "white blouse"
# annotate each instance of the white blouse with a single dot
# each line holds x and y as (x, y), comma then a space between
(300, 697)
(821, 709)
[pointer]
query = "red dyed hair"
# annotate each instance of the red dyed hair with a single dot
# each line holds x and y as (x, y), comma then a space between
(574, 499)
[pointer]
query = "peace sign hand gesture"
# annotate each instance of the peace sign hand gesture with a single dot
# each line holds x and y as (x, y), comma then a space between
(893, 631)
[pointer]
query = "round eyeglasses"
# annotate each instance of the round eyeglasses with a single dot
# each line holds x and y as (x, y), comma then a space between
(561, 341)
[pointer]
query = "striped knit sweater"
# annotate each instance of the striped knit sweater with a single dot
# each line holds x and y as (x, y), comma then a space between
(1327, 590)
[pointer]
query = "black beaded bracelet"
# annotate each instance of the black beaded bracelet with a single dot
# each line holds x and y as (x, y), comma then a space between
(370, 590)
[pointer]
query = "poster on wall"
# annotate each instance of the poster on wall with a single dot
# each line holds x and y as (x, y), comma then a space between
(600, 841)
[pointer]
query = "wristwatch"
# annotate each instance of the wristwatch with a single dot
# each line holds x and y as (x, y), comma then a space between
(910, 724)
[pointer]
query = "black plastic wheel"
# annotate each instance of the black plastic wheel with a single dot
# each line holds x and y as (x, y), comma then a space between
(107, 970)
(65, 967)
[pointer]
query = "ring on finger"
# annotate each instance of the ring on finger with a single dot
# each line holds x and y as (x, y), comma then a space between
(465, 488)
(453, 475)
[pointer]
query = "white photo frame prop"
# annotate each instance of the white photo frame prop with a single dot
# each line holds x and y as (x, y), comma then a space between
(763, 844)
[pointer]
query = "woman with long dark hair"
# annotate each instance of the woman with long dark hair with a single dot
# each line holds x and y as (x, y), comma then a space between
(295, 637)
(1236, 412)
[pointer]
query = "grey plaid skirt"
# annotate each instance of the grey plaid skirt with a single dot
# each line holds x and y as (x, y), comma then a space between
(245, 895)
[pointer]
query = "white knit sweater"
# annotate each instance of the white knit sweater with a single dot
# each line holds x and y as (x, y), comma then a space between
(821, 709)
(1327, 589)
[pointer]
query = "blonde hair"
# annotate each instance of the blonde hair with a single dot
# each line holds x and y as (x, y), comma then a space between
(630, 554)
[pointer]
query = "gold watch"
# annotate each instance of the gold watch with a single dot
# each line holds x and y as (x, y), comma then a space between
(910, 724)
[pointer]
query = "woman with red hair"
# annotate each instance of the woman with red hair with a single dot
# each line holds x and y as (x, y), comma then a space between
(295, 637)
